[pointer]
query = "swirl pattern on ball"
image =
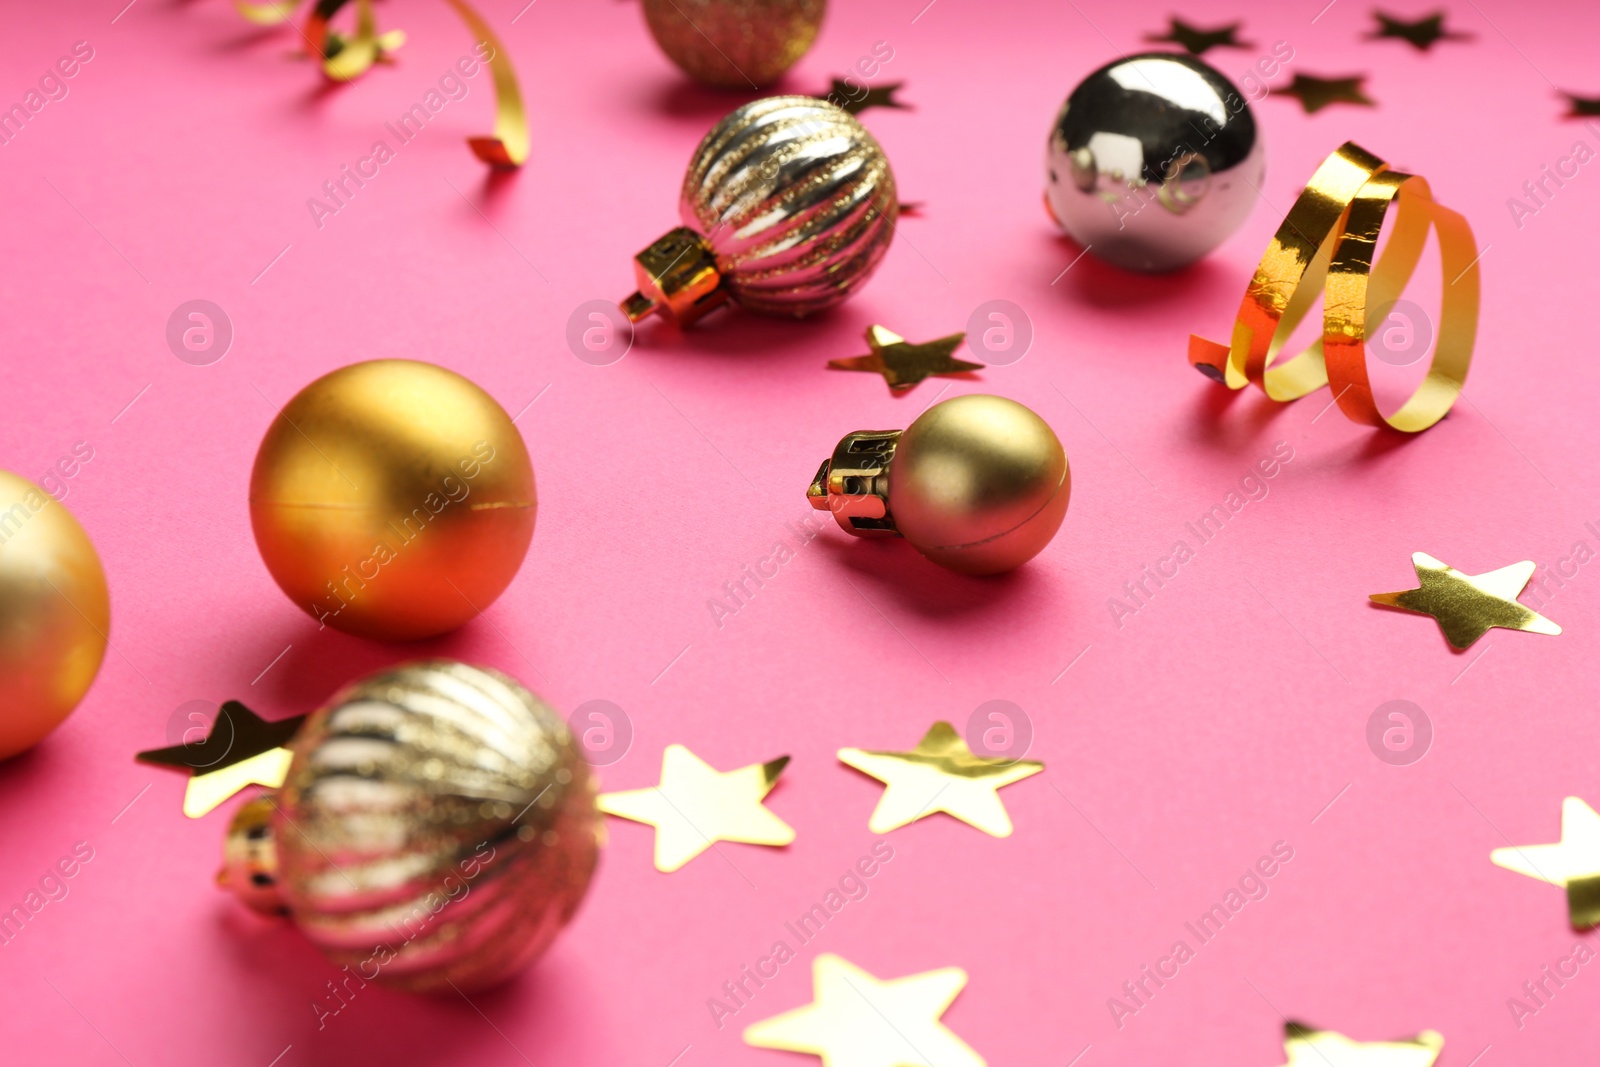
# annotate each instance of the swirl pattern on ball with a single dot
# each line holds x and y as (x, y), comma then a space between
(797, 201)
(438, 825)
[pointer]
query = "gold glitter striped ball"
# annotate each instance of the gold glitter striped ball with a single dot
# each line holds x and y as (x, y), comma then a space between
(437, 826)
(796, 200)
(743, 43)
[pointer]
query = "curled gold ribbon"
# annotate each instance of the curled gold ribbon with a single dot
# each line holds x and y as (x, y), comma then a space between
(346, 58)
(1326, 246)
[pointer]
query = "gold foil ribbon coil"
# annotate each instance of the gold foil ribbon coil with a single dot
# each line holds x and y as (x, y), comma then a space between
(344, 58)
(1326, 246)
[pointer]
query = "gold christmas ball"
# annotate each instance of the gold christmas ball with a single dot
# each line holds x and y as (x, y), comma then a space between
(54, 614)
(735, 43)
(976, 483)
(392, 499)
(437, 827)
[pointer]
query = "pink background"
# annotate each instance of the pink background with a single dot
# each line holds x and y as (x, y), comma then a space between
(1221, 718)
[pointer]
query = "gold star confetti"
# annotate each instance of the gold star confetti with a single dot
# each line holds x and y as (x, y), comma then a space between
(940, 774)
(1326, 1048)
(1420, 34)
(857, 1020)
(856, 98)
(1572, 862)
(1195, 40)
(1467, 606)
(240, 749)
(1315, 94)
(1581, 107)
(695, 806)
(904, 364)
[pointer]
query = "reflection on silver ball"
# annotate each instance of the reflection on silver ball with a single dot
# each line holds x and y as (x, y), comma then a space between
(1153, 161)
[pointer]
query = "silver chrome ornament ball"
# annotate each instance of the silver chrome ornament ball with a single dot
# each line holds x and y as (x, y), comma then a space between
(788, 206)
(437, 827)
(1153, 161)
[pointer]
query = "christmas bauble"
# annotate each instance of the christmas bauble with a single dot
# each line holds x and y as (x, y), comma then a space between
(437, 825)
(788, 205)
(392, 499)
(54, 613)
(745, 44)
(977, 483)
(1153, 161)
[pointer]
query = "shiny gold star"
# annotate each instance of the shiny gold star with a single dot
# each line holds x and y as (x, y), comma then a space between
(240, 749)
(1420, 34)
(695, 806)
(1467, 606)
(1196, 41)
(1572, 862)
(1307, 1047)
(904, 364)
(1581, 107)
(940, 774)
(856, 98)
(857, 1020)
(1315, 94)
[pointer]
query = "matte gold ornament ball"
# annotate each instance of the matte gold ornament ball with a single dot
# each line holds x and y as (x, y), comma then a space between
(54, 614)
(735, 43)
(392, 499)
(977, 483)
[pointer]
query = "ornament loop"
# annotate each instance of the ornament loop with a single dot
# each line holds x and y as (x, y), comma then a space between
(1325, 246)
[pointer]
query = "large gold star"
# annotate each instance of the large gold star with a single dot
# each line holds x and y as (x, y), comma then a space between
(856, 1020)
(1581, 107)
(695, 806)
(904, 364)
(240, 749)
(1195, 40)
(1467, 606)
(1420, 34)
(1307, 1047)
(1572, 862)
(1315, 94)
(940, 774)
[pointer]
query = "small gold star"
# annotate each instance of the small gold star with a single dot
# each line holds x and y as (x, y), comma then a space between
(1467, 606)
(1196, 41)
(1581, 107)
(695, 806)
(1420, 34)
(240, 749)
(1572, 862)
(1307, 1047)
(856, 98)
(940, 774)
(904, 364)
(1315, 94)
(858, 1020)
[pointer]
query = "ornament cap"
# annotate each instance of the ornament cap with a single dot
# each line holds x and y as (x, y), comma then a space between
(250, 858)
(853, 483)
(678, 279)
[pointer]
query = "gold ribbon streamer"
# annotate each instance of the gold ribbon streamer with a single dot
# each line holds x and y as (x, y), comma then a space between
(344, 59)
(1326, 245)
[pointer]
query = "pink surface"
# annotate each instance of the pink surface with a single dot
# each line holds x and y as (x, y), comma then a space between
(1223, 717)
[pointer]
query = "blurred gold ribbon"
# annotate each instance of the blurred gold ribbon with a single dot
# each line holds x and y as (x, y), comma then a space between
(345, 58)
(1326, 246)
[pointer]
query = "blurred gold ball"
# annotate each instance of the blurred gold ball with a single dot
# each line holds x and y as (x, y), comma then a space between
(734, 43)
(392, 499)
(979, 484)
(54, 614)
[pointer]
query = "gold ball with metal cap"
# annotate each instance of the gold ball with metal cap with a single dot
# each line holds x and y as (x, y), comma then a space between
(977, 483)
(437, 828)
